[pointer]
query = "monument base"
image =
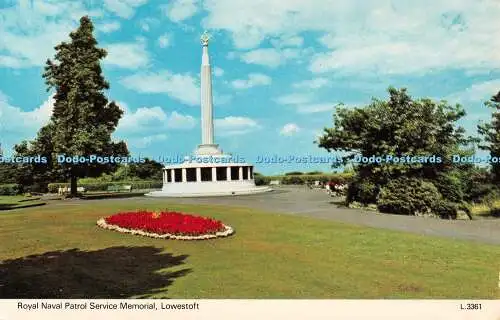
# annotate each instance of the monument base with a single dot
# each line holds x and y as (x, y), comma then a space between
(208, 189)
(209, 176)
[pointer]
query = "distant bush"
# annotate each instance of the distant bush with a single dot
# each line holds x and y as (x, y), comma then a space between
(315, 173)
(11, 189)
(307, 178)
(292, 180)
(261, 180)
(409, 196)
(136, 185)
(294, 173)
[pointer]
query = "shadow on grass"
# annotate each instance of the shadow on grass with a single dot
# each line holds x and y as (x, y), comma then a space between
(99, 196)
(11, 206)
(116, 272)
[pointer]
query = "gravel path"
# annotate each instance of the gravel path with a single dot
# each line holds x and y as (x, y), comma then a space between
(317, 204)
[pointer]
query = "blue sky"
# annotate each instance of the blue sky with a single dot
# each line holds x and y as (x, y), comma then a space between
(279, 66)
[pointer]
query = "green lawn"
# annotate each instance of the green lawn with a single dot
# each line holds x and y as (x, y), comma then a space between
(57, 251)
(16, 202)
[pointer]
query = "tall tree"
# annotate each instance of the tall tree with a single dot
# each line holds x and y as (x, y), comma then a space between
(491, 133)
(83, 118)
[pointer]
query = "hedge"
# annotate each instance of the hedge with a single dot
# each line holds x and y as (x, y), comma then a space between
(308, 178)
(11, 189)
(136, 185)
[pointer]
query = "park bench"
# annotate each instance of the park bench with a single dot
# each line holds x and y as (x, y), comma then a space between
(275, 182)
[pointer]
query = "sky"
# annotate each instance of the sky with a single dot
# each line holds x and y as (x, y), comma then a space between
(279, 67)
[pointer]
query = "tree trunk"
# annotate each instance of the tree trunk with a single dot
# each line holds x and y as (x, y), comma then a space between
(73, 185)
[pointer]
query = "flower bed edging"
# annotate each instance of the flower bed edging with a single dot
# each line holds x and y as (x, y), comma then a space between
(227, 232)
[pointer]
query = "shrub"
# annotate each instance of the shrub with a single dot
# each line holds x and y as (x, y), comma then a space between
(260, 180)
(481, 192)
(11, 189)
(450, 187)
(364, 192)
(136, 185)
(294, 173)
(315, 173)
(445, 209)
(292, 180)
(308, 178)
(409, 196)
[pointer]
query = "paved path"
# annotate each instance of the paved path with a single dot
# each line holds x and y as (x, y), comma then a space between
(317, 204)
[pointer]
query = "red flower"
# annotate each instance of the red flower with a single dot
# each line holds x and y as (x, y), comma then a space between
(176, 223)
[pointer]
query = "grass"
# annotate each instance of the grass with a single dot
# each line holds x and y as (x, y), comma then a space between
(17, 202)
(56, 251)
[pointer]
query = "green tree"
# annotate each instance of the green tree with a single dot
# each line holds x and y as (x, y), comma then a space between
(491, 133)
(150, 170)
(83, 118)
(38, 175)
(400, 126)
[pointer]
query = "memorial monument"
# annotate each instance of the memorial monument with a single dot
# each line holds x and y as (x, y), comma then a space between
(208, 172)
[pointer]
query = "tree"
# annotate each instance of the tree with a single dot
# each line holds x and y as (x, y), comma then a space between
(491, 133)
(83, 117)
(38, 175)
(399, 127)
(150, 170)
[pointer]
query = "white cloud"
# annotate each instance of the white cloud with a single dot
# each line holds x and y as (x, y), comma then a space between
(148, 125)
(294, 98)
(289, 129)
(218, 72)
(316, 108)
(271, 57)
(153, 119)
(11, 62)
(478, 92)
(254, 79)
(30, 30)
(165, 40)
(123, 8)
(127, 55)
(288, 41)
(267, 57)
(316, 83)
(17, 125)
(144, 142)
(147, 23)
(179, 10)
(182, 87)
(108, 27)
(235, 125)
(363, 37)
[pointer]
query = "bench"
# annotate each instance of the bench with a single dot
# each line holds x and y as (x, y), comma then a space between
(119, 188)
(275, 182)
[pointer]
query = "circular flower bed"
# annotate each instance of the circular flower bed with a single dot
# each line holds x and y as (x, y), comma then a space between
(168, 225)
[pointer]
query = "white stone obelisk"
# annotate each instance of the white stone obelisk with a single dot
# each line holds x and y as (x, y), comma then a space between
(207, 117)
